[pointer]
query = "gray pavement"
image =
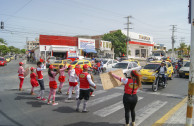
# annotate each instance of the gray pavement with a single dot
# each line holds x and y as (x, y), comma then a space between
(106, 109)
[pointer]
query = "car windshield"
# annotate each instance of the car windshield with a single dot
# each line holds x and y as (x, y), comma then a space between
(105, 61)
(121, 65)
(58, 61)
(151, 66)
(156, 54)
(73, 63)
(1, 59)
(187, 64)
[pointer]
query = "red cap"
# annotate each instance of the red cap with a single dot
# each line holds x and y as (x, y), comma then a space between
(20, 63)
(69, 66)
(85, 66)
(32, 68)
(78, 65)
(51, 67)
(41, 60)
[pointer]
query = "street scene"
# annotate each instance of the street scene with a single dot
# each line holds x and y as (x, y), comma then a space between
(103, 75)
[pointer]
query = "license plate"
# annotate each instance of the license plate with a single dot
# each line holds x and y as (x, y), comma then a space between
(187, 74)
(144, 78)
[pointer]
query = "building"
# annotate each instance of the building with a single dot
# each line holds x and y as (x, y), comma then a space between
(32, 44)
(160, 47)
(139, 46)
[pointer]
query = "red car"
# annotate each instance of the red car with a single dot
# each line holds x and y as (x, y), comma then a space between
(3, 62)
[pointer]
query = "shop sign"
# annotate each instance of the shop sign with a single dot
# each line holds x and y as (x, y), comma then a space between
(86, 43)
(105, 45)
(72, 53)
(144, 37)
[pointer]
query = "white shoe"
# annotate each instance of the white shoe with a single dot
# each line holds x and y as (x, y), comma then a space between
(92, 95)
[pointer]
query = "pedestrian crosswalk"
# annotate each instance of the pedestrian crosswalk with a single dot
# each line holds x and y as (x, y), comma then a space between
(106, 96)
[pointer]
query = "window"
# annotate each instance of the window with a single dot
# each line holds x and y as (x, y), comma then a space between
(110, 62)
(80, 63)
(130, 65)
(86, 62)
(137, 52)
(135, 65)
(114, 61)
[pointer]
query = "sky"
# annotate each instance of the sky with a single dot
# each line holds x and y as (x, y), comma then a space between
(27, 19)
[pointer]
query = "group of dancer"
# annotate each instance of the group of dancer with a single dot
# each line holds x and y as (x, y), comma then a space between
(83, 90)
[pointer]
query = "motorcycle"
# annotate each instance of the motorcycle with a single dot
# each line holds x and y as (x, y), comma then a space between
(158, 82)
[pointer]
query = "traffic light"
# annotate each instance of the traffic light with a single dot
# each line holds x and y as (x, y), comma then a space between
(2, 25)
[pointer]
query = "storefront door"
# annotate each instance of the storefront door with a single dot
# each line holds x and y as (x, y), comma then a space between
(143, 53)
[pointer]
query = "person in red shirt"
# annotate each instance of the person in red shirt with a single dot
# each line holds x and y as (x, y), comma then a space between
(33, 80)
(98, 65)
(78, 70)
(130, 98)
(85, 83)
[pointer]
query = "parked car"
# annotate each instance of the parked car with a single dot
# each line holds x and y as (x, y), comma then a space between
(184, 71)
(7, 58)
(132, 60)
(108, 63)
(81, 63)
(57, 63)
(148, 74)
(126, 66)
(3, 62)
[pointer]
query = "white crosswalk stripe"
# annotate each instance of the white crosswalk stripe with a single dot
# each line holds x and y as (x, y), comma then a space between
(102, 99)
(111, 109)
(99, 92)
(143, 113)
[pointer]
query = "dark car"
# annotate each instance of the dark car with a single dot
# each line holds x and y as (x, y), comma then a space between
(3, 62)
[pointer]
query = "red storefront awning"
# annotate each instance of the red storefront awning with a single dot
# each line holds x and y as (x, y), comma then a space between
(140, 43)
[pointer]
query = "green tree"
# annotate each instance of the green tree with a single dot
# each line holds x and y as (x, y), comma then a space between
(4, 49)
(182, 47)
(17, 51)
(118, 40)
(189, 49)
(12, 49)
(23, 51)
(3, 41)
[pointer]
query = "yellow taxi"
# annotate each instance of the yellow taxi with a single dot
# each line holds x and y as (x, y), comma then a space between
(57, 63)
(132, 60)
(11, 57)
(7, 58)
(80, 62)
(148, 71)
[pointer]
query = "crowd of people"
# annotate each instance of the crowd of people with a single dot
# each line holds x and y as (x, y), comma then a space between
(83, 90)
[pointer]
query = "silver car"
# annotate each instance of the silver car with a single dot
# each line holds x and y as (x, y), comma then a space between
(126, 66)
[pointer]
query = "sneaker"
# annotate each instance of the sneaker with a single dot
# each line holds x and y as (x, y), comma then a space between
(43, 99)
(85, 111)
(49, 102)
(38, 98)
(92, 95)
(77, 110)
(54, 103)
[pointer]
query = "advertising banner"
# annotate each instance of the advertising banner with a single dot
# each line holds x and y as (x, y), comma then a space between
(105, 45)
(86, 43)
(72, 53)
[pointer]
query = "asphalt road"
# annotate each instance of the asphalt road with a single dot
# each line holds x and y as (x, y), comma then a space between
(106, 108)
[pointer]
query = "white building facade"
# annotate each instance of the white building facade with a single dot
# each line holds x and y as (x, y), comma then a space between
(139, 46)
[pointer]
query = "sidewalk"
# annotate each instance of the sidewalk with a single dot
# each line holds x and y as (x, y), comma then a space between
(175, 117)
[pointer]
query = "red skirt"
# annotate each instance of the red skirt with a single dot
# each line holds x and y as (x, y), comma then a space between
(53, 84)
(73, 84)
(34, 83)
(61, 79)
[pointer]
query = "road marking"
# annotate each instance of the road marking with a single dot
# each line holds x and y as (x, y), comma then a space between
(99, 92)
(162, 120)
(102, 99)
(111, 109)
(145, 112)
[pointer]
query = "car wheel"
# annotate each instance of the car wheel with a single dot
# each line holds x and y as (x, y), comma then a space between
(125, 75)
(180, 76)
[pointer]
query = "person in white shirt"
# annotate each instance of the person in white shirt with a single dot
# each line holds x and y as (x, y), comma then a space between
(162, 70)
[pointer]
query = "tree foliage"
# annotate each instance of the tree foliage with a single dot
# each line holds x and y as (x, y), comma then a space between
(118, 40)
(23, 51)
(4, 49)
(3, 41)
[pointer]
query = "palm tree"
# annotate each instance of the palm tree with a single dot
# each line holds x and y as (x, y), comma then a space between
(188, 48)
(182, 47)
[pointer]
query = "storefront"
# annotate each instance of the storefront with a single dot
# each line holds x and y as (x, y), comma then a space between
(87, 47)
(140, 45)
(62, 47)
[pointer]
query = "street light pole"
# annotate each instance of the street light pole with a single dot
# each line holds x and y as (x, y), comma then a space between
(191, 72)
(128, 39)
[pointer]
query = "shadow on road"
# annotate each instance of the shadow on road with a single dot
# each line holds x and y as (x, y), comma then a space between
(93, 124)
(24, 97)
(36, 103)
(10, 119)
(65, 110)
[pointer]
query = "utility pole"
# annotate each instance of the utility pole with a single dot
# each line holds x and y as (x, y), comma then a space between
(128, 38)
(173, 40)
(191, 72)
